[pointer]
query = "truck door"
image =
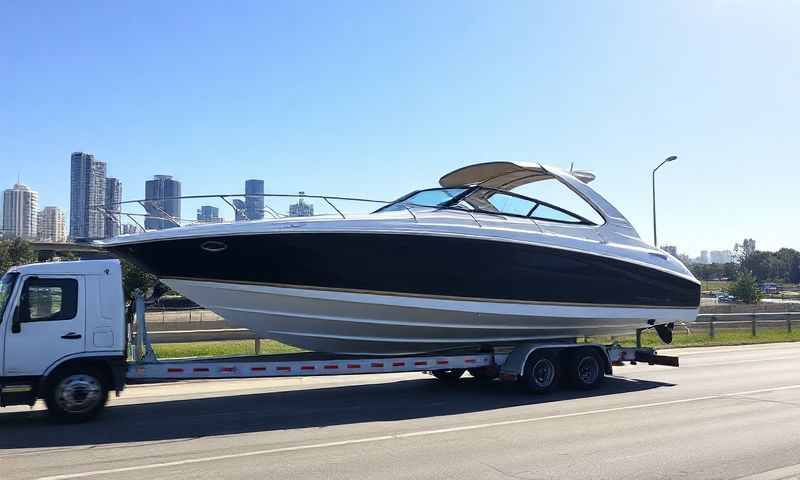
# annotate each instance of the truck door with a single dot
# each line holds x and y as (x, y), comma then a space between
(47, 325)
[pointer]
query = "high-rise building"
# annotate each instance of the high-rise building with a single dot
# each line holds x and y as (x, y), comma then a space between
(20, 208)
(51, 226)
(208, 214)
(162, 203)
(87, 190)
(720, 256)
(254, 199)
(301, 208)
(130, 229)
(113, 198)
(704, 257)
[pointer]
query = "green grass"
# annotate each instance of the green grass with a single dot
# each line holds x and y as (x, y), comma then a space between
(225, 348)
(714, 285)
(700, 338)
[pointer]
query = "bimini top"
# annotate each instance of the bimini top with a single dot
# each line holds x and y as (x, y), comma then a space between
(505, 175)
(509, 175)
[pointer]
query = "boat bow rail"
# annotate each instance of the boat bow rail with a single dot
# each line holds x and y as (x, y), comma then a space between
(136, 210)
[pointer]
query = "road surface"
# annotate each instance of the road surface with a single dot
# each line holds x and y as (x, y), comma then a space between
(727, 412)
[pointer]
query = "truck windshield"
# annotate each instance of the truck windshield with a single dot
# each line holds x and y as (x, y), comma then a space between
(6, 286)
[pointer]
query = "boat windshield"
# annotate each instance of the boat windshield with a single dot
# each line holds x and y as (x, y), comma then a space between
(487, 200)
(434, 197)
(6, 286)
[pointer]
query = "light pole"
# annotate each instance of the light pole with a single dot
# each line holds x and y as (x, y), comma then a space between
(668, 159)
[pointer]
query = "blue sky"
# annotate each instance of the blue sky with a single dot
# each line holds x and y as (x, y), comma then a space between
(378, 98)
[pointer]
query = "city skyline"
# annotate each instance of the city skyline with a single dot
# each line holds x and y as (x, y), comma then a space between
(375, 102)
(241, 210)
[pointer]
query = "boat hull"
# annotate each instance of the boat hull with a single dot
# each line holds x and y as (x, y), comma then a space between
(358, 322)
(400, 292)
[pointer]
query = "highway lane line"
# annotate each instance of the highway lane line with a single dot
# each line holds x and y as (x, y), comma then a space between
(420, 433)
(785, 473)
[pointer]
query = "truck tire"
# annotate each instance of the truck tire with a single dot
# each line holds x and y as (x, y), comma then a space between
(449, 376)
(540, 374)
(76, 394)
(584, 368)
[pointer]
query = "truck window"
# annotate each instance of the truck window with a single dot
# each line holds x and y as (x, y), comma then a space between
(6, 286)
(51, 299)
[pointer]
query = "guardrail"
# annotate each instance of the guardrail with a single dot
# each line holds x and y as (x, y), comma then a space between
(713, 321)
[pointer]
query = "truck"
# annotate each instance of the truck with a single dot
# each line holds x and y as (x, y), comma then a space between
(69, 337)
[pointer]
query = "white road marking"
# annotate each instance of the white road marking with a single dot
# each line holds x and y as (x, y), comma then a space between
(421, 433)
(786, 473)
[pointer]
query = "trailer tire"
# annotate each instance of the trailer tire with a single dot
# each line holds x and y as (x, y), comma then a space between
(76, 394)
(541, 372)
(449, 376)
(584, 368)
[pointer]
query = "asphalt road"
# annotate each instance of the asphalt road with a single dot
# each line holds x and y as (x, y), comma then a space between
(727, 412)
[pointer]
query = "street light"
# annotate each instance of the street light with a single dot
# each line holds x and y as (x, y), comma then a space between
(668, 159)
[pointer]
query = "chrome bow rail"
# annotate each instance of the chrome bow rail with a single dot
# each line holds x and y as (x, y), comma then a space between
(155, 209)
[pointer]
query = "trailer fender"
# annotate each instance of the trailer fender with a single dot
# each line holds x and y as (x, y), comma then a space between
(514, 365)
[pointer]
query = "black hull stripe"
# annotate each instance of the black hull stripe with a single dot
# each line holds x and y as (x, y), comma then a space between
(424, 265)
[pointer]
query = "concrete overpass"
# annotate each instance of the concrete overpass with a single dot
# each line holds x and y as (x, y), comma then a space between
(47, 250)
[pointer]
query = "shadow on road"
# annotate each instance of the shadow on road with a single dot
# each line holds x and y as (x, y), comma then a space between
(319, 407)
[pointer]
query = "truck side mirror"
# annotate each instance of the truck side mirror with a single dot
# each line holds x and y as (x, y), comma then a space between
(16, 324)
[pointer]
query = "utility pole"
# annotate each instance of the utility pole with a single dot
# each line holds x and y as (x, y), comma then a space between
(655, 233)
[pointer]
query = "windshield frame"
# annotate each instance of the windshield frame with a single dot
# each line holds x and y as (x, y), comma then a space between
(9, 280)
(453, 201)
(580, 220)
(472, 189)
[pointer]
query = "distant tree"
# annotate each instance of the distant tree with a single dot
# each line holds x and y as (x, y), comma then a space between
(16, 252)
(746, 288)
(789, 261)
(134, 278)
(760, 264)
(68, 257)
(742, 251)
(730, 271)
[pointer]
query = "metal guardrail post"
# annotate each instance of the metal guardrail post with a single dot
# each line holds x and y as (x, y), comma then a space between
(753, 328)
(711, 332)
(788, 324)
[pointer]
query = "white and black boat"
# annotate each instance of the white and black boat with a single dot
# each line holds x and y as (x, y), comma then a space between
(469, 264)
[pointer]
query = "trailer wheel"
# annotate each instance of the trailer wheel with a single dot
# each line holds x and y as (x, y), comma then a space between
(76, 394)
(541, 372)
(584, 368)
(449, 376)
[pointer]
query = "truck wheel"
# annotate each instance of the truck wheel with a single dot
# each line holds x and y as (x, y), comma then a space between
(541, 372)
(76, 394)
(585, 368)
(448, 376)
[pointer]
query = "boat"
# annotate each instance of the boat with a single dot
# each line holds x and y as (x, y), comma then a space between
(471, 264)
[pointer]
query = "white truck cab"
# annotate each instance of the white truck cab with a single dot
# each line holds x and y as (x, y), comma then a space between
(62, 335)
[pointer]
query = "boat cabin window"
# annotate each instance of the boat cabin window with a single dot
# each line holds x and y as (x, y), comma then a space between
(436, 197)
(496, 201)
(510, 204)
(553, 192)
